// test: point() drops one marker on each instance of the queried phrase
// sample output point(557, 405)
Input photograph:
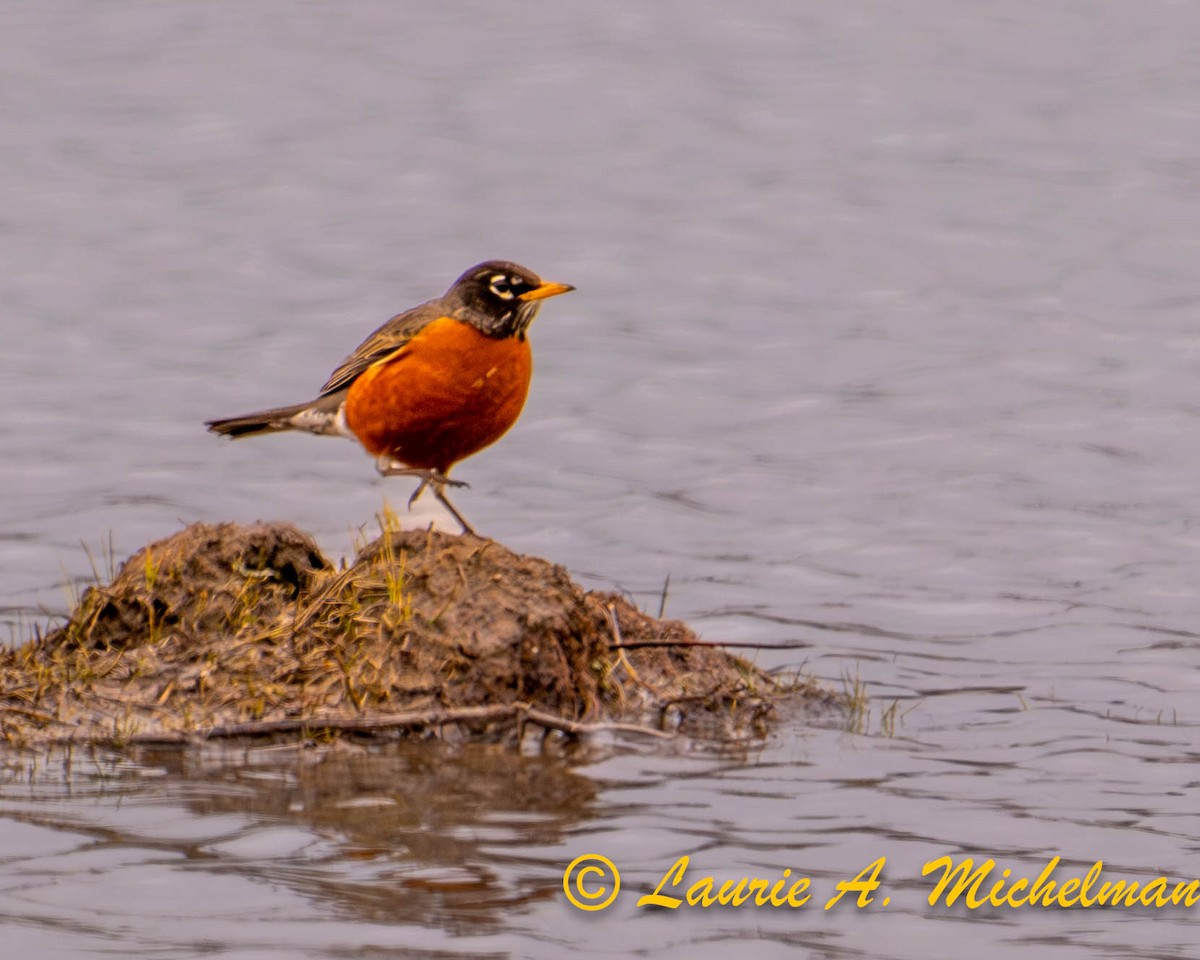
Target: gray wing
point(386, 340)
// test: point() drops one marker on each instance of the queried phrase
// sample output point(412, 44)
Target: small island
point(227, 631)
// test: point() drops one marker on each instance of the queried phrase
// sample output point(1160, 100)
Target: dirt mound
point(227, 630)
point(205, 579)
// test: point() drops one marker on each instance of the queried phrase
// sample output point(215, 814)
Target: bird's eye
point(502, 286)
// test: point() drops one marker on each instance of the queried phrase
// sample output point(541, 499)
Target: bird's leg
point(434, 479)
point(439, 491)
point(388, 467)
point(417, 493)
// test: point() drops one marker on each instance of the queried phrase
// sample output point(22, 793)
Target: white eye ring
point(501, 286)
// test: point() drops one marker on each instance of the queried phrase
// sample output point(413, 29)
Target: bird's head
point(500, 298)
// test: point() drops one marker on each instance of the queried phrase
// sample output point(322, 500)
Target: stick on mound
point(233, 631)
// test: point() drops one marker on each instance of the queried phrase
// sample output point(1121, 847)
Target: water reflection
point(421, 833)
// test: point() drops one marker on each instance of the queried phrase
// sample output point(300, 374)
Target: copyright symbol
point(595, 869)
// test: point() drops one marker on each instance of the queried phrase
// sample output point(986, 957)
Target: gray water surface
point(884, 341)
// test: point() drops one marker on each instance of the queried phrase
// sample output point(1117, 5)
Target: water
point(884, 342)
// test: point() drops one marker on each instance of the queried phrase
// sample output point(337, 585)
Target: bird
point(431, 386)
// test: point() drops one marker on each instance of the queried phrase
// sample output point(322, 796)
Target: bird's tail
point(322, 415)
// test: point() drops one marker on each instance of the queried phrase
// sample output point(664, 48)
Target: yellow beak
point(546, 290)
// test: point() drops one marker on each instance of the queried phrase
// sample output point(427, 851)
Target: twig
point(32, 714)
point(576, 727)
point(396, 721)
point(645, 644)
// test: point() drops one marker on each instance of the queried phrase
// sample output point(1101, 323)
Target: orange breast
point(447, 393)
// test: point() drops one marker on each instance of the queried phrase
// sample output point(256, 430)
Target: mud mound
point(225, 630)
point(203, 580)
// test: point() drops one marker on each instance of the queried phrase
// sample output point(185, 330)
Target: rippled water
point(885, 341)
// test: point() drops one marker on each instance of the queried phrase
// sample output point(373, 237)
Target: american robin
point(431, 386)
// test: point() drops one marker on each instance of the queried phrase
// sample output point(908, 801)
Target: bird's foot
point(434, 479)
point(388, 467)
